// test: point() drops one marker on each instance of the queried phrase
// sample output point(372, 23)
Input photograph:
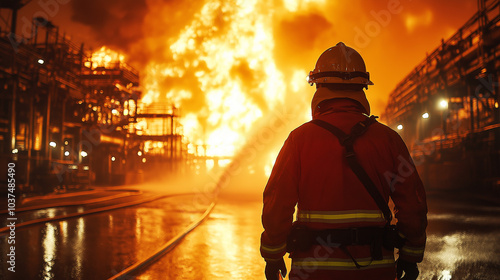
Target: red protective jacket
point(312, 173)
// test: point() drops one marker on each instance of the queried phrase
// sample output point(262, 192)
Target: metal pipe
point(471, 107)
point(30, 140)
point(13, 23)
point(47, 121)
point(13, 109)
point(63, 112)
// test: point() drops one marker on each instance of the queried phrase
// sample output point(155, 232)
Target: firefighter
point(341, 231)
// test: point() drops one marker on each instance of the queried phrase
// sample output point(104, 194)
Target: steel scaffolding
point(447, 108)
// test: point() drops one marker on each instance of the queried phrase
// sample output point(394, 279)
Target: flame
point(105, 57)
point(212, 56)
point(296, 5)
point(229, 65)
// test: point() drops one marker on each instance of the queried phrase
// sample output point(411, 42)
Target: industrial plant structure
point(67, 119)
point(447, 108)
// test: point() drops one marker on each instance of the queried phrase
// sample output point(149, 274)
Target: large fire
point(223, 60)
point(105, 57)
point(227, 65)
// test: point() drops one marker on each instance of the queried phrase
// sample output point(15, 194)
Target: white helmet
point(340, 65)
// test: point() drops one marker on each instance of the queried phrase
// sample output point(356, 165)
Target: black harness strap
point(347, 141)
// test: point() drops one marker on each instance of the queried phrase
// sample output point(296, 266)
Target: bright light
point(445, 275)
point(144, 160)
point(443, 104)
point(66, 153)
point(139, 153)
point(66, 143)
point(86, 167)
point(41, 61)
point(425, 115)
point(83, 154)
point(53, 144)
point(114, 111)
point(113, 158)
point(15, 151)
point(400, 127)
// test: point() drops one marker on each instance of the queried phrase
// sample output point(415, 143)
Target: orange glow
point(414, 21)
point(228, 66)
point(105, 57)
point(234, 74)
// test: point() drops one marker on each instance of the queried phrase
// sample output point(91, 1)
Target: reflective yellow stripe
point(341, 216)
point(273, 249)
point(343, 264)
point(413, 250)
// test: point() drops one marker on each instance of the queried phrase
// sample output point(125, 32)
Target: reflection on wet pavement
point(463, 242)
point(225, 246)
point(462, 255)
point(99, 246)
point(463, 239)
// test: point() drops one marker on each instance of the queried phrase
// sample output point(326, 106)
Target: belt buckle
point(355, 236)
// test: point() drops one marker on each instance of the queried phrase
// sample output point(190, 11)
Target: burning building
point(69, 115)
point(216, 73)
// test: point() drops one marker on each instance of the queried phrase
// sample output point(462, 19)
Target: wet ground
point(463, 241)
point(225, 246)
point(463, 237)
point(100, 245)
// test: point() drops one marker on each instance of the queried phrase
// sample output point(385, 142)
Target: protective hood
point(324, 93)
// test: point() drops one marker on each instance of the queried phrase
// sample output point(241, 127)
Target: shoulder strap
point(347, 142)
